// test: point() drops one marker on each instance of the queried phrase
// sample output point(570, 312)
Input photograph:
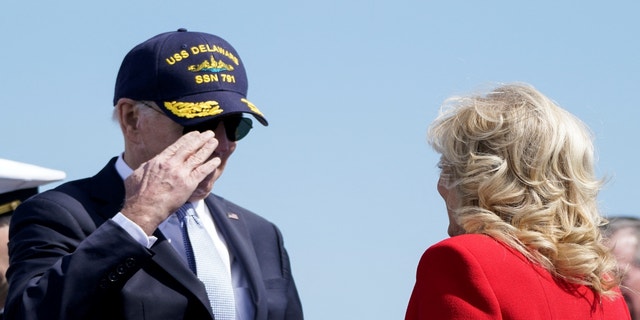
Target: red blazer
point(476, 277)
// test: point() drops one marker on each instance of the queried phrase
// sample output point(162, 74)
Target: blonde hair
point(523, 171)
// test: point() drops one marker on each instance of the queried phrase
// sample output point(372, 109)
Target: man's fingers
point(188, 144)
point(200, 172)
point(191, 154)
point(203, 153)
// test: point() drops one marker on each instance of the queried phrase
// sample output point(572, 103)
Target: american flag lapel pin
point(232, 215)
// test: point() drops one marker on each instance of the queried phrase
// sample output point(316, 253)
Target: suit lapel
point(233, 228)
point(107, 191)
point(168, 259)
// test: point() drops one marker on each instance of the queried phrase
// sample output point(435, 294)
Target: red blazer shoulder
point(477, 277)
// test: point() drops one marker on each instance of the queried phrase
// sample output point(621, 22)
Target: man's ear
point(128, 114)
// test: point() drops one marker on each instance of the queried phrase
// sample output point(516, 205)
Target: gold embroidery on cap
point(192, 110)
point(252, 106)
point(202, 48)
point(211, 65)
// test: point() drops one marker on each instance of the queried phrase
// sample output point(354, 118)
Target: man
point(623, 237)
point(18, 182)
point(127, 242)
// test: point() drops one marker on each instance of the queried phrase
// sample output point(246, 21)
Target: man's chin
point(203, 190)
point(199, 195)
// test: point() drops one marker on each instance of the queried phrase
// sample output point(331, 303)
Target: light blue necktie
point(204, 260)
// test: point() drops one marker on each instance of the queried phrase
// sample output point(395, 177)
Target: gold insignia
point(9, 207)
point(252, 106)
point(192, 110)
point(211, 66)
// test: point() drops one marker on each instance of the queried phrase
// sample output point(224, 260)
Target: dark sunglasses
point(236, 127)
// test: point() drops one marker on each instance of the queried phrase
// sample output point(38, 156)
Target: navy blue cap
point(192, 76)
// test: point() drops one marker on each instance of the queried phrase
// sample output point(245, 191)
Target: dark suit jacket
point(70, 261)
point(474, 276)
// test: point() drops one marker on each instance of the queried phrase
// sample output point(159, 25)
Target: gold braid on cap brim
point(8, 207)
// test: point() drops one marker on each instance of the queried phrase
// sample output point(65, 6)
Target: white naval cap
point(18, 181)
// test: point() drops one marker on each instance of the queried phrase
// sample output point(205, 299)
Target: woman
point(518, 181)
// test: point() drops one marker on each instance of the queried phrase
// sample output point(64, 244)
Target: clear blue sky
point(349, 88)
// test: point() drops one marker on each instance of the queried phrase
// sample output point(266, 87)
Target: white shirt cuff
point(134, 230)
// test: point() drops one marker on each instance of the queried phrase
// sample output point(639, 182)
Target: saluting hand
point(161, 185)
